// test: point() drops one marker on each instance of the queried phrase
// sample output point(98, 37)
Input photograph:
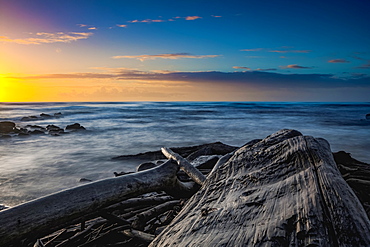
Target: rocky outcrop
point(191, 153)
point(285, 190)
point(6, 127)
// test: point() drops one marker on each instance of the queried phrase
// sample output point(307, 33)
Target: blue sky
point(185, 50)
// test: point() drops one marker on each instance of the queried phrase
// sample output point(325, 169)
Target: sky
point(195, 50)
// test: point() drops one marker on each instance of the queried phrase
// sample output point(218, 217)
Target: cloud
point(291, 51)
point(252, 78)
point(146, 21)
point(241, 67)
point(338, 61)
point(216, 16)
point(119, 25)
point(166, 56)
point(295, 66)
point(364, 66)
point(92, 28)
point(255, 49)
point(191, 18)
point(247, 68)
point(47, 38)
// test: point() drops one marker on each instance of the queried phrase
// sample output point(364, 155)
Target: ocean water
point(36, 165)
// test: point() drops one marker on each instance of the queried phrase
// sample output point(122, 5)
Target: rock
point(52, 127)
point(216, 148)
point(75, 126)
point(205, 162)
point(57, 114)
point(6, 126)
point(45, 115)
point(145, 166)
point(5, 136)
point(285, 190)
point(29, 118)
point(36, 132)
point(368, 116)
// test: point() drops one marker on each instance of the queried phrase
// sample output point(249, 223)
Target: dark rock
point(57, 114)
point(5, 136)
point(52, 127)
point(45, 115)
point(75, 126)
point(216, 148)
point(29, 118)
point(36, 132)
point(6, 127)
point(35, 127)
point(209, 163)
point(368, 116)
point(145, 166)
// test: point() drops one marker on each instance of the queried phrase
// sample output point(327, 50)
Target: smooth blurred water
point(36, 165)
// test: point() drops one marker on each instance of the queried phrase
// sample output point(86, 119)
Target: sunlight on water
point(32, 166)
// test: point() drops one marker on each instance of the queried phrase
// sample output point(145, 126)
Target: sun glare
point(11, 90)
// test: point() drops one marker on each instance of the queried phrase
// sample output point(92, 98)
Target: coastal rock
point(216, 148)
point(29, 118)
point(75, 126)
point(37, 132)
point(285, 190)
point(45, 115)
point(368, 116)
point(6, 126)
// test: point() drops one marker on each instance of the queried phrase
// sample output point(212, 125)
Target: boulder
point(44, 115)
point(368, 116)
point(6, 126)
point(285, 190)
point(145, 166)
point(75, 126)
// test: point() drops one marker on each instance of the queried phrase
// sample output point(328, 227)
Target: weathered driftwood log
point(282, 191)
point(188, 168)
point(44, 215)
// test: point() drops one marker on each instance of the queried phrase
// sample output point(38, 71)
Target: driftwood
point(47, 214)
point(193, 172)
point(282, 191)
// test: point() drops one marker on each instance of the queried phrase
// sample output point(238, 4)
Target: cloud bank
point(166, 56)
point(47, 38)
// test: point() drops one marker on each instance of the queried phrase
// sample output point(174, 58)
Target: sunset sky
point(148, 50)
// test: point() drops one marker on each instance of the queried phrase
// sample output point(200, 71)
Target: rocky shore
point(312, 190)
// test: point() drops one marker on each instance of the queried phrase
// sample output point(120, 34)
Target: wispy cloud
point(247, 68)
point(364, 66)
point(254, 49)
point(338, 61)
point(166, 56)
point(216, 16)
point(291, 51)
point(241, 67)
point(295, 66)
point(192, 18)
point(251, 78)
point(146, 21)
point(121, 25)
point(47, 38)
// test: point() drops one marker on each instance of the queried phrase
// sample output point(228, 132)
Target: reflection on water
point(33, 166)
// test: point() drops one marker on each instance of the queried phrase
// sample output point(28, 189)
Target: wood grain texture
point(46, 214)
point(282, 191)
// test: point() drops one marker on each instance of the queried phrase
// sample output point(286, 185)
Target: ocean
point(35, 165)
